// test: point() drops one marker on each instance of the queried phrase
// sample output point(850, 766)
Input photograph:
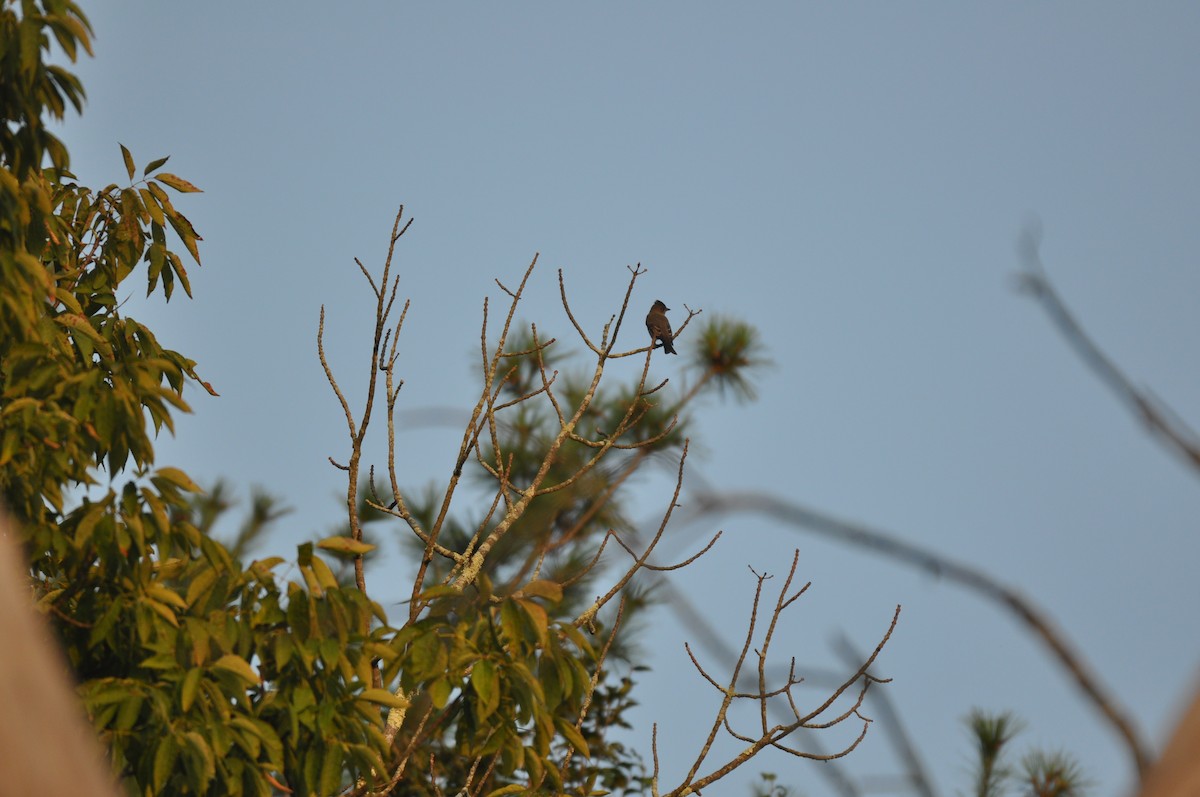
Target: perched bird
point(659, 327)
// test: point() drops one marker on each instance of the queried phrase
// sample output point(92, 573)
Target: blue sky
point(850, 177)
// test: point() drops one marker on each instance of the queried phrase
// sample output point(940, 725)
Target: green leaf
point(128, 161)
point(239, 667)
point(155, 164)
point(178, 183)
point(342, 544)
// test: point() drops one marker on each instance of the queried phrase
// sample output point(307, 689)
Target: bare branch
point(329, 376)
point(1157, 416)
point(774, 735)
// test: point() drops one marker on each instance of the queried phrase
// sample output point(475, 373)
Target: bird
point(659, 327)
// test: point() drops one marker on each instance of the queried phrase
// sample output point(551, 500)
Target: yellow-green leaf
point(573, 736)
point(161, 610)
point(128, 160)
point(200, 585)
point(83, 532)
point(178, 478)
point(537, 614)
point(157, 163)
point(439, 591)
point(166, 595)
point(384, 698)
point(152, 207)
point(178, 183)
point(239, 667)
point(164, 761)
point(77, 323)
point(331, 770)
point(343, 544)
point(439, 692)
point(191, 682)
point(485, 682)
point(200, 750)
point(262, 567)
point(542, 588)
point(324, 575)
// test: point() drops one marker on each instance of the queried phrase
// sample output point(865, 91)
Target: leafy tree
point(202, 676)
point(207, 675)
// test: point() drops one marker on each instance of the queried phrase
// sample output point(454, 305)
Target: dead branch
point(384, 299)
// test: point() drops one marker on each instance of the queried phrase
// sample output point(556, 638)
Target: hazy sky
point(850, 177)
